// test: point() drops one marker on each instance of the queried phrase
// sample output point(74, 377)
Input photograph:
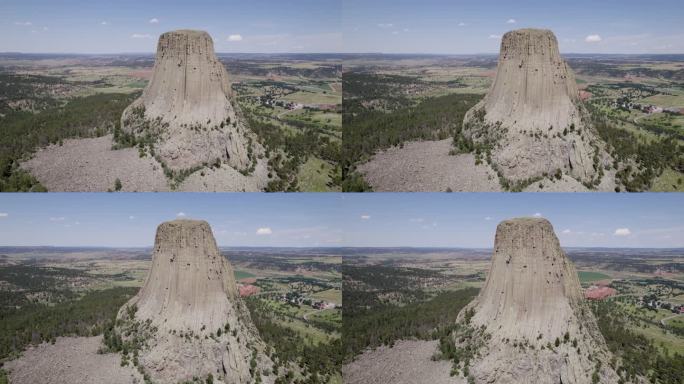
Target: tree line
point(35, 323)
point(435, 118)
point(23, 132)
point(370, 321)
point(639, 356)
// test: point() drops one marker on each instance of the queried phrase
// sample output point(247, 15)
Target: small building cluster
point(269, 102)
point(296, 299)
point(654, 303)
point(626, 104)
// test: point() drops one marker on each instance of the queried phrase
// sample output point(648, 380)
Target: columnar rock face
point(532, 288)
point(531, 323)
point(532, 116)
point(190, 285)
point(188, 313)
point(186, 107)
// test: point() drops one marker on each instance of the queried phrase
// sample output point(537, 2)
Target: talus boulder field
point(530, 323)
point(186, 112)
point(188, 321)
point(532, 123)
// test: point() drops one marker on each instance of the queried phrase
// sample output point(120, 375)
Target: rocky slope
point(185, 112)
point(91, 165)
point(530, 324)
point(70, 360)
point(187, 321)
point(532, 119)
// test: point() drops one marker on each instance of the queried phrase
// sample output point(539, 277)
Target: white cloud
point(23, 23)
point(4, 214)
point(131, 217)
point(365, 217)
point(488, 218)
point(622, 232)
point(417, 220)
point(104, 23)
point(385, 25)
point(405, 29)
point(645, 42)
point(154, 20)
point(567, 231)
point(180, 214)
point(537, 214)
point(395, 32)
point(57, 218)
point(141, 36)
point(494, 36)
point(323, 42)
point(462, 24)
point(264, 231)
point(511, 21)
point(593, 39)
point(236, 37)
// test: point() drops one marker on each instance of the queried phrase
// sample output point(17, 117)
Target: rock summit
point(187, 321)
point(530, 323)
point(186, 112)
point(532, 123)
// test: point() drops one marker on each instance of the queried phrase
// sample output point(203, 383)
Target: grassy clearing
point(326, 120)
point(336, 379)
point(660, 337)
point(669, 181)
point(329, 118)
point(314, 98)
point(328, 315)
point(314, 175)
point(648, 325)
point(243, 274)
point(331, 295)
point(676, 322)
point(587, 277)
point(312, 335)
point(665, 101)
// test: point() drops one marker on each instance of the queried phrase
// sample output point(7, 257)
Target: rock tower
point(530, 324)
point(532, 118)
point(187, 321)
point(186, 110)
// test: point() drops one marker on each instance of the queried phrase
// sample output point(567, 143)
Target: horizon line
point(153, 53)
point(322, 246)
point(334, 53)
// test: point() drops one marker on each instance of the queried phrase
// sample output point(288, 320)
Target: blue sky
point(99, 26)
point(475, 26)
point(330, 219)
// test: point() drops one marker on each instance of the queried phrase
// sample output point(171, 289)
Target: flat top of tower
point(188, 32)
point(529, 33)
point(526, 221)
point(184, 223)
